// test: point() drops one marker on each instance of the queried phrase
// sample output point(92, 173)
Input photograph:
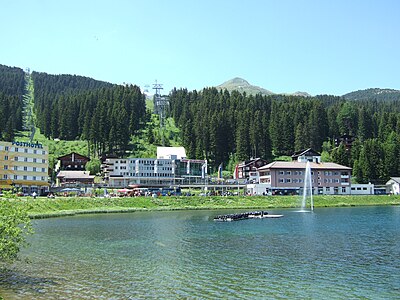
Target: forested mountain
point(374, 94)
point(221, 126)
point(74, 107)
point(12, 88)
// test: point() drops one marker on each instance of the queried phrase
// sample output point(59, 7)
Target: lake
point(332, 253)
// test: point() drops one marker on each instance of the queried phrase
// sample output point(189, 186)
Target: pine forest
point(217, 125)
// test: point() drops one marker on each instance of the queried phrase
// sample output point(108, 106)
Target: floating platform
point(245, 216)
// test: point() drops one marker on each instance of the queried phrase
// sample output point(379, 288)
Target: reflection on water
point(335, 253)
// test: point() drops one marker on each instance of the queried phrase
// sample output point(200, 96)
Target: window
point(343, 190)
point(281, 180)
point(15, 168)
point(16, 149)
point(26, 150)
point(43, 170)
point(34, 160)
point(25, 168)
point(281, 172)
point(5, 167)
point(25, 159)
point(288, 172)
point(16, 158)
point(5, 176)
point(43, 152)
point(25, 177)
point(15, 176)
point(35, 151)
point(34, 178)
point(42, 178)
point(43, 161)
point(34, 169)
point(288, 180)
point(6, 148)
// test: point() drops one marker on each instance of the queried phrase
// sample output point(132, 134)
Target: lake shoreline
point(41, 207)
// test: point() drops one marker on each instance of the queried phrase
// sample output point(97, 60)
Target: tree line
point(221, 126)
point(73, 107)
point(12, 89)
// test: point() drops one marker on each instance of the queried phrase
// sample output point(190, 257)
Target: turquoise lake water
point(332, 253)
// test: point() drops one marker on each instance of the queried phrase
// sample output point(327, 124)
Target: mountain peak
point(241, 85)
point(237, 81)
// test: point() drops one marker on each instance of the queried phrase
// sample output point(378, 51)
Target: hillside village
point(195, 162)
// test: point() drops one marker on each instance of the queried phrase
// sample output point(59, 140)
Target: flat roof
point(166, 152)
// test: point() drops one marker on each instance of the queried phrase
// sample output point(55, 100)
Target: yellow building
point(24, 166)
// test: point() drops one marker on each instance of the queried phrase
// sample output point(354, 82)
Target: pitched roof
point(302, 165)
point(251, 161)
point(303, 152)
point(75, 175)
point(395, 179)
point(73, 154)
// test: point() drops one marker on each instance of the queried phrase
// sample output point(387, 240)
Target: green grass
point(60, 206)
point(140, 145)
point(57, 148)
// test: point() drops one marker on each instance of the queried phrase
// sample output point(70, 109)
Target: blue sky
point(320, 47)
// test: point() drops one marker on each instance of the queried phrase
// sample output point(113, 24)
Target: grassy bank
point(43, 207)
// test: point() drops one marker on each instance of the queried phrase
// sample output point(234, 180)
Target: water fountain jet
point(308, 189)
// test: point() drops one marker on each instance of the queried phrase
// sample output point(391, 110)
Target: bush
point(15, 225)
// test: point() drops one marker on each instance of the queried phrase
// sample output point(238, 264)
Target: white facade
point(260, 189)
point(171, 152)
point(393, 186)
point(121, 172)
point(125, 171)
point(362, 189)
